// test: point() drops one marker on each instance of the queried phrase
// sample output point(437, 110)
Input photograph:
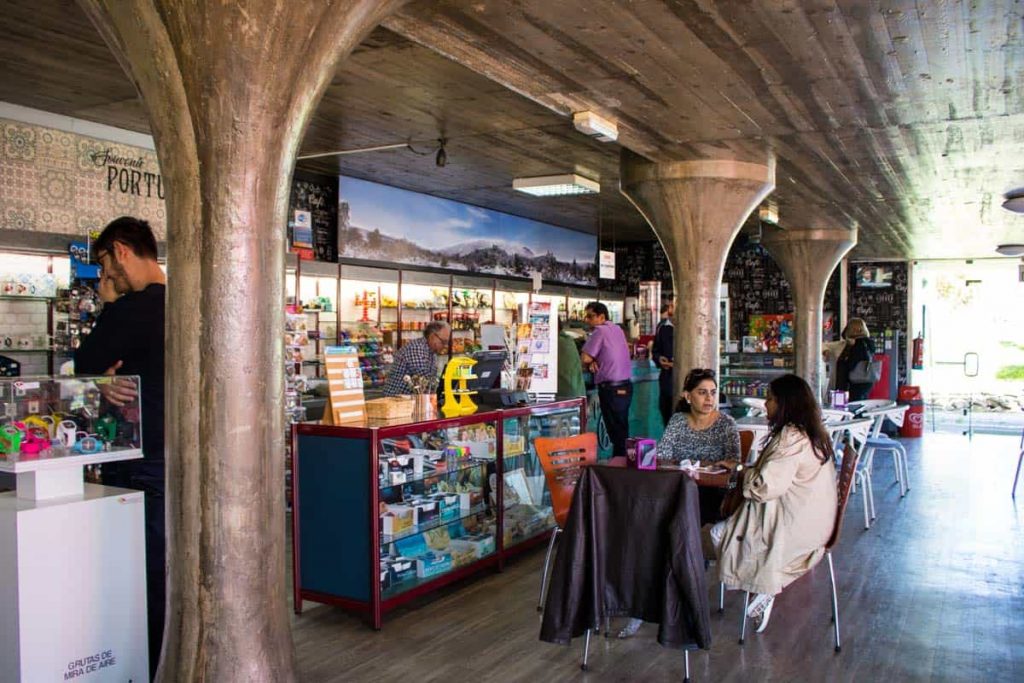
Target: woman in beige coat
point(789, 502)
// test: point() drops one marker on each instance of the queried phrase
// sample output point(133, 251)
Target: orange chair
point(563, 460)
point(845, 484)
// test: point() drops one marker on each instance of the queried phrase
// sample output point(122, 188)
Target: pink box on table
point(641, 453)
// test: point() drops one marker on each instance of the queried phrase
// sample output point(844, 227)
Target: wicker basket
point(390, 407)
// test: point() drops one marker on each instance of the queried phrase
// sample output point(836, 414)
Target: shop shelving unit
point(748, 374)
point(343, 476)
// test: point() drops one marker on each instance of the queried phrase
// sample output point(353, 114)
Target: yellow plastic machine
point(457, 399)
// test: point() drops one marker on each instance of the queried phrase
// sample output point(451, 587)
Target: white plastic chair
point(881, 442)
point(859, 431)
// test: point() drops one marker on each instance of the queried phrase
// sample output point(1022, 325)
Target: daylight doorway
point(972, 317)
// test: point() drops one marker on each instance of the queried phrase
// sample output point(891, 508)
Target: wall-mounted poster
point(774, 333)
point(383, 223)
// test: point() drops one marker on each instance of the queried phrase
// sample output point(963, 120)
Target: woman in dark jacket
point(859, 347)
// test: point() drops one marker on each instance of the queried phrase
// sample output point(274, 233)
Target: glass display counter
point(748, 374)
point(386, 511)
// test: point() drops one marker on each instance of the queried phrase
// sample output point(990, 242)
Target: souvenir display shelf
point(388, 511)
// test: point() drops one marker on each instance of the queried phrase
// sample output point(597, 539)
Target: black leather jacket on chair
point(631, 547)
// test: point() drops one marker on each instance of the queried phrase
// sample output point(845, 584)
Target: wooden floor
point(934, 591)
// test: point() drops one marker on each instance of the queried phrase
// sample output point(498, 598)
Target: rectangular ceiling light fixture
point(590, 123)
point(556, 185)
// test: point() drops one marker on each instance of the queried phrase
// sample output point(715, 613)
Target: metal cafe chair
point(562, 459)
point(859, 432)
point(847, 474)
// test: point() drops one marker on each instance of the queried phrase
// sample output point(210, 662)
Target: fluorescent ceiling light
point(769, 212)
point(556, 185)
point(1011, 249)
point(590, 123)
point(1014, 201)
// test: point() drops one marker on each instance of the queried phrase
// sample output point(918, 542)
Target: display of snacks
point(55, 417)
point(374, 355)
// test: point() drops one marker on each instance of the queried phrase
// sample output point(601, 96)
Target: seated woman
point(698, 431)
point(789, 502)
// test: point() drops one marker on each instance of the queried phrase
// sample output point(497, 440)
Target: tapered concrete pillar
point(808, 256)
point(229, 88)
point(696, 208)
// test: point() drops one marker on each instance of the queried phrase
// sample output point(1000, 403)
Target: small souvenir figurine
point(106, 428)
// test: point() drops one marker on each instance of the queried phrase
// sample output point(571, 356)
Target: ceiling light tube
point(556, 185)
point(590, 123)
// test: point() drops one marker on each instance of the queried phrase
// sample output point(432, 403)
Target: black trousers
point(615, 401)
point(148, 477)
point(665, 396)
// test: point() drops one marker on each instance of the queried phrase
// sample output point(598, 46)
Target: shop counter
point(385, 511)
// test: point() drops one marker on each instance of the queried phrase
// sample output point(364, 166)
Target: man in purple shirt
point(606, 354)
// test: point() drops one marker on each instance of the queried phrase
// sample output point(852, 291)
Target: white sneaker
point(765, 615)
point(630, 629)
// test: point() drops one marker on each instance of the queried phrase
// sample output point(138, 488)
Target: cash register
point(487, 382)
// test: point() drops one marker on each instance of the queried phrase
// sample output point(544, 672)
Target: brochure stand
point(72, 573)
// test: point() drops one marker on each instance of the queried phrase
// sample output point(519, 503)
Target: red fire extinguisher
point(918, 354)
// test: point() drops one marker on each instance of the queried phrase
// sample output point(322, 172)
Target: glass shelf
point(437, 523)
point(14, 297)
point(474, 462)
point(402, 587)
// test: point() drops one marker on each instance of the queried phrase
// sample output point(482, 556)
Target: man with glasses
point(128, 339)
point(418, 359)
point(606, 355)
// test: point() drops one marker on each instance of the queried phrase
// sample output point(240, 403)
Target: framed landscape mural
point(382, 223)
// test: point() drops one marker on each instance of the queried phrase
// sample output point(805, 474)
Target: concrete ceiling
point(904, 117)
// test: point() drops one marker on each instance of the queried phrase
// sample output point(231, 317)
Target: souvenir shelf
point(386, 512)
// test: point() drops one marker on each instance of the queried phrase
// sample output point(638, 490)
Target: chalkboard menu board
point(317, 195)
point(879, 297)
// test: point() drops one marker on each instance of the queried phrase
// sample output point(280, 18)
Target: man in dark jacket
point(128, 339)
point(661, 356)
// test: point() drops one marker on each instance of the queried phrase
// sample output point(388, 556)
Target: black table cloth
point(630, 547)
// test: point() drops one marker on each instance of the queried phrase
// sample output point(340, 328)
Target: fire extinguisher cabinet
point(913, 422)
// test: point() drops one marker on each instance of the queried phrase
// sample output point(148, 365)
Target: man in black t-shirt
point(128, 339)
point(661, 355)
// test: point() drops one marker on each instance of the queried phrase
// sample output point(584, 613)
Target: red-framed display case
point(388, 511)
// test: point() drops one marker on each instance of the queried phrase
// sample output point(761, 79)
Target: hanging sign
point(607, 265)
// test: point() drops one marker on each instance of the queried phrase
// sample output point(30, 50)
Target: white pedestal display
point(72, 575)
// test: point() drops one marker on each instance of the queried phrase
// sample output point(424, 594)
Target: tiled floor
point(934, 591)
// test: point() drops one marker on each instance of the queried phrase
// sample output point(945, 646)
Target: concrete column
point(808, 257)
point(696, 208)
point(229, 88)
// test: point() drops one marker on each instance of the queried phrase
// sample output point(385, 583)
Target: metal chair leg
point(871, 499)
point(743, 623)
point(607, 627)
point(586, 651)
point(686, 666)
point(867, 505)
point(721, 596)
point(547, 564)
point(1020, 458)
point(835, 599)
